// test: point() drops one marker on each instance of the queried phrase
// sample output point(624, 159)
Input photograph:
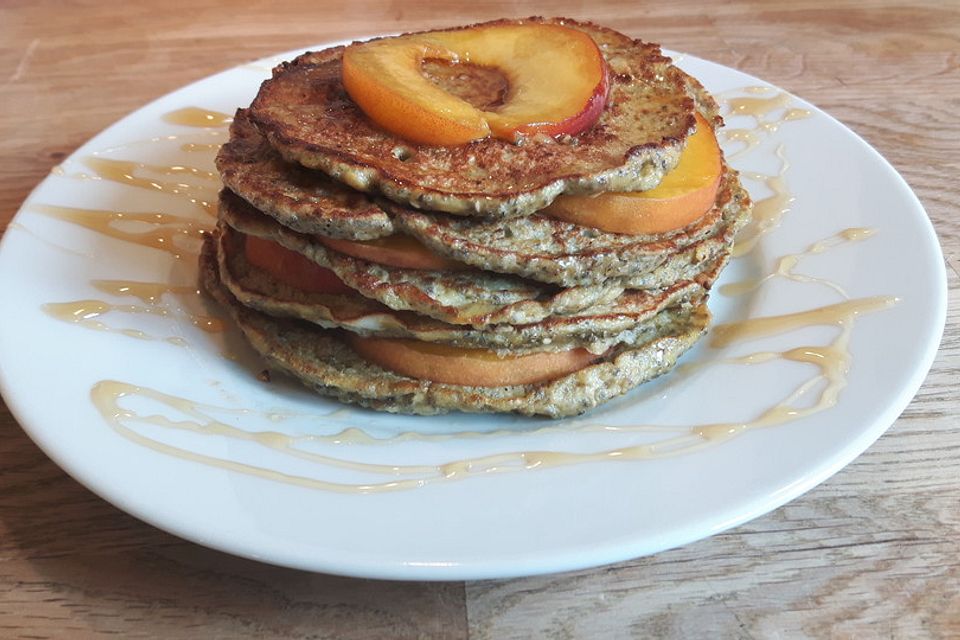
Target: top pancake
point(307, 116)
point(304, 200)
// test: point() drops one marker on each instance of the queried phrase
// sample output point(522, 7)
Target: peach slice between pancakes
point(683, 196)
point(468, 367)
point(292, 268)
point(397, 250)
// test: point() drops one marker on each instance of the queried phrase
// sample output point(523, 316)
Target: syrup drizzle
point(164, 231)
point(198, 117)
point(786, 264)
point(126, 172)
point(746, 137)
point(89, 313)
point(192, 147)
point(147, 292)
point(839, 313)
point(195, 141)
point(768, 212)
point(761, 104)
point(760, 110)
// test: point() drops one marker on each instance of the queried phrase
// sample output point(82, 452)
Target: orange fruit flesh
point(292, 268)
point(469, 367)
point(684, 195)
point(397, 250)
point(377, 76)
point(557, 77)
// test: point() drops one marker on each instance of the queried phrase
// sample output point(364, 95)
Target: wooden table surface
point(873, 552)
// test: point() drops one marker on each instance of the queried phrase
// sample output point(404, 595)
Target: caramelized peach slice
point(557, 82)
point(292, 268)
point(684, 194)
point(395, 251)
point(471, 367)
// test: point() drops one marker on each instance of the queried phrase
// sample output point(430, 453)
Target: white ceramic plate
point(518, 521)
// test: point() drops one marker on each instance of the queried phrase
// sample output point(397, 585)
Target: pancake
point(632, 318)
point(559, 252)
point(307, 116)
point(304, 200)
point(470, 297)
point(321, 360)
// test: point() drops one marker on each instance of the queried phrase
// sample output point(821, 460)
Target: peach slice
point(472, 367)
point(395, 251)
point(292, 268)
point(684, 195)
point(557, 82)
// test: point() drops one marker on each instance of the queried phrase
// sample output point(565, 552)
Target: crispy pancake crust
point(559, 252)
point(633, 318)
point(476, 298)
point(323, 362)
point(307, 115)
point(304, 200)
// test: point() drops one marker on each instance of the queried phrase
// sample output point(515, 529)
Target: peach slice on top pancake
point(556, 77)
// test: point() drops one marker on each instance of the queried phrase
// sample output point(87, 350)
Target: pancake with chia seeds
point(306, 114)
point(323, 360)
point(304, 200)
point(630, 319)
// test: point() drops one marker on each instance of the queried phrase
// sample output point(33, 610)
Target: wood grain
point(873, 552)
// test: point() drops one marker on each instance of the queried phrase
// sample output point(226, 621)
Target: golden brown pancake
point(308, 117)
point(304, 200)
point(323, 361)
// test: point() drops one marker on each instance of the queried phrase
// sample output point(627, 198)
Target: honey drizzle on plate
point(759, 104)
point(191, 147)
point(198, 117)
point(768, 212)
point(747, 137)
point(126, 172)
point(191, 142)
point(758, 108)
point(786, 264)
point(832, 360)
point(88, 313)
point(163, 232)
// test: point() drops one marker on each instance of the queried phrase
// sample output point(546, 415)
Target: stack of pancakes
point(306, 169)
